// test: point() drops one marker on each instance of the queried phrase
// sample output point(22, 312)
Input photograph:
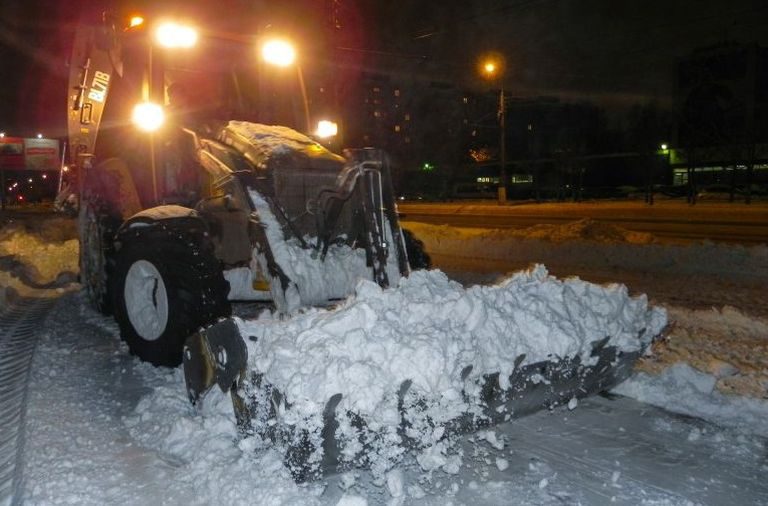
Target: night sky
point(613, 52)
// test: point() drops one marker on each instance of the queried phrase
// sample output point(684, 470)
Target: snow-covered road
point(19, 324)
point(103, 428)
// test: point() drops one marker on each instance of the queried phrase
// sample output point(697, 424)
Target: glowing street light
point(39, 136)
point(278, 52)
point(174, 35)
point(492, 68)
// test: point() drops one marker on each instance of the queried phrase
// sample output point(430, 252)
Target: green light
point(427, 167)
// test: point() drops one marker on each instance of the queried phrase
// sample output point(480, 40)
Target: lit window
point(397, 93)
point(465, 100)
point(377, 114)
point(407, 117)
point(376, 89)
point(397, 128)
point(407, 140)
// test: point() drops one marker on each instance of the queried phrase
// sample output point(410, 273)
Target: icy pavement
point(608, 450)
point(19, 324)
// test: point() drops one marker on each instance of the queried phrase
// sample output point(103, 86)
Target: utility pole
point(502, 149)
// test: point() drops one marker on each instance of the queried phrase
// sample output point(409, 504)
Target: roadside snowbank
point(589, 244)
point(36, 254)
point(724, 343)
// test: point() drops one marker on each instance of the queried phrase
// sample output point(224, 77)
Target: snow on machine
point(180, 217)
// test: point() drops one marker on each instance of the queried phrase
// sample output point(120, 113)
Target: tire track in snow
point(18, 325)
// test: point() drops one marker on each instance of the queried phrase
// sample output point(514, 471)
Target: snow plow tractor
point(178, 219)
point(187, 204)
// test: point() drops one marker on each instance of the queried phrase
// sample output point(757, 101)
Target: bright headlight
point(148, 116)
point(326, 129)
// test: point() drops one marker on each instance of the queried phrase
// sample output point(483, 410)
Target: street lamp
point(282, 53)
point(492, 68)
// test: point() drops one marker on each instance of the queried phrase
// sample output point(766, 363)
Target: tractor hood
point(277, 148)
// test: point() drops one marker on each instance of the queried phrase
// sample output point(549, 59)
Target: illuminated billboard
point(41, 154)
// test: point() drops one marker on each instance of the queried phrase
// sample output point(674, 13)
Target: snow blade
point(215, 355)
point(531, 387)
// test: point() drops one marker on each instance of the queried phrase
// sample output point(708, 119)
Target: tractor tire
point(167, 284)
point(97, 231)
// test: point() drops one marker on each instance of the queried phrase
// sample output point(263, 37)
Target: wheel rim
point(146, 300)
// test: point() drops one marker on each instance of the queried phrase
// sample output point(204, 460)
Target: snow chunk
point(352, 500)
point(395, 483)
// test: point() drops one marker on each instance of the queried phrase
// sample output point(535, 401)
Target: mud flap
point(217, 355)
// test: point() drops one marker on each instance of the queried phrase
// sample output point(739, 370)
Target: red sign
point(11, 153)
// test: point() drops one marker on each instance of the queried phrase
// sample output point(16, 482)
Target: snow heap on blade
point(400, 358)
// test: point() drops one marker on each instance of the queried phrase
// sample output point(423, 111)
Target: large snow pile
point(428, 331)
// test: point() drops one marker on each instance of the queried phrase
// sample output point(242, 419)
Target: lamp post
point(281, 53)
point(664, 149)
point(491, 69)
